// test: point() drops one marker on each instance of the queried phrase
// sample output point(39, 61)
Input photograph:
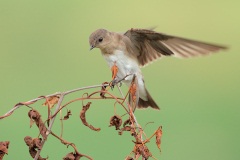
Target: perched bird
point(139, 47)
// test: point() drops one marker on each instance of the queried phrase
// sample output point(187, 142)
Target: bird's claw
point(113, 83)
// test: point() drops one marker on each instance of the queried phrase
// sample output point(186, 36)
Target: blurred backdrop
point(44, 49)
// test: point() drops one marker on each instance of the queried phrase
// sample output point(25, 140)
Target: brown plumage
point(139, 47)
point(152, 45)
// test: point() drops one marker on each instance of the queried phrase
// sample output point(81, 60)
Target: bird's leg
point(113, 83)
point(117, 80)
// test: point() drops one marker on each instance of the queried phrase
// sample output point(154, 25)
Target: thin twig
point(61, 120)
point(72, 145)
point(89, 97)
point(135, 119)
point(18, 105)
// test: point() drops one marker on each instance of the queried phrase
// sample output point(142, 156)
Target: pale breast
point(125, 64)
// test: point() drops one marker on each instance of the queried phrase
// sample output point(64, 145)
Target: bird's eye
point(100, 39)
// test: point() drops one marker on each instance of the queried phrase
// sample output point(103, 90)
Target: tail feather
point(150, 102)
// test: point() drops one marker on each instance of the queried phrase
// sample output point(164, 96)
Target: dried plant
point(130, 125)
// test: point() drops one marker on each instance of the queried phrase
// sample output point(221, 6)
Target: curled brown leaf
point(34, 144)
point(28, 141)
point(116, 121)
point(66, 117)
point(158, 137)
point(35, 116)
point(83, 117)
point(72, 156)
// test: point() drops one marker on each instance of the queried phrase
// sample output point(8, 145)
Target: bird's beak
point(92, 47)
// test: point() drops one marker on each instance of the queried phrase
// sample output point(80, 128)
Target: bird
point(136, 48)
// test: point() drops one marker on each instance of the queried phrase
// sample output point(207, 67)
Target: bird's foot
point(117, 80)
point(113, 83)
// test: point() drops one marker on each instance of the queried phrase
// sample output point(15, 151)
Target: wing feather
point(150, 45)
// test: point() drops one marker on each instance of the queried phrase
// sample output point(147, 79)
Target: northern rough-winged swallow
point(139, 47)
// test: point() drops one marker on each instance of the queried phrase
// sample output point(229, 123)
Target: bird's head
point(99, 39)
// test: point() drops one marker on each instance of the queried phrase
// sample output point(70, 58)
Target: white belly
point(127, 66)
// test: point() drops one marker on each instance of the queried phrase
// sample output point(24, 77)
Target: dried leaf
point(141, 149)
point(132, 91)
point(35, 116)
point(69, 156)
point(4, 148)
point(37, 143)
point(51, 101)
point(114, 70)
point(31, 122)
point(127, 122)
point(158, 137)
point(126, 128)
point(72, 156)
point(34, 145)
point(129, 158)
point(83, 117)
point(116, 121)
point(67, 115)
point(146, 153)
point(28, 141)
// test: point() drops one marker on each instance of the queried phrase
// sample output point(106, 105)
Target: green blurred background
point(44, 49)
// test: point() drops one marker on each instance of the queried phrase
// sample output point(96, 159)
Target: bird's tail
point(149, 103)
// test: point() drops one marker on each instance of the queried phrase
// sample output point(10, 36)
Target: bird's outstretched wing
point(151, 45)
